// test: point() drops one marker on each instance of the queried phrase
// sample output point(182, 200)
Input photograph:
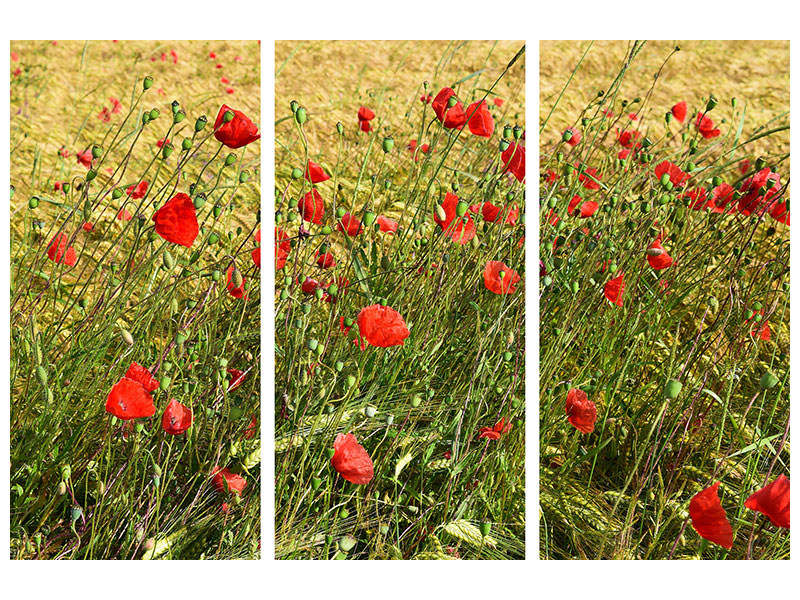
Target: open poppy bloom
point(382, 326)
point(85, 158)
point(349, 225)
point(773, 501)
point(706, 127)
point(365, 115)
point(499, 278)
point(326, 260)
point(460, 229)
point(386, 224)
point(223, 478)
point(513, 159)
point(237, 378)
point(627, 139)
point(283, 246)
point(657, 256)
point(451, 116)
point(614, 289)
point(59, 252)
point(177, 418)
point(130, 397)
point(575, 136)
point(351, 461)
point(760, 329)
point(754, 199)
point(581, 412)
point(252, 429)
point(176, 221)
point(779, 212)
point(137, 191)
point(676, 176)
point(480, 122)
point(491, 212)
point(494, 433)
point(709, 519)
point(236, 292)
point(590, 178)
point(315, 173)
point(237, 132)
point(311, 207)
point(679, 111)
point(587, 209)
point(124, 215)
point(309, 286)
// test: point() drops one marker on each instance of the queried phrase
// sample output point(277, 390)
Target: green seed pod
point(711, 104)
point(91, 174)
point(166, 150)
point(339, 128)
point(33, 202)
point(351, 381)
point(217, 210)
point(186, 144)
point(574, 287)
point(452, 101)
point(507, 131)
point(369, 218)
point(164, 382)
point(300, 115)
point(673, 389)
point(388, 144)
point(154, 112)
point(461, 208)
point(230, 159)
point(768, 381)
point(312, 344)
point(339, 365)
point(503, 145)
point(327, 230)
point(416, 401)
point(147, 83)
point(507, 356)
point(340, 212)
point(213, 238)
point(485, 529)
point(200, 123)
point(244, 176)
point(178, 116)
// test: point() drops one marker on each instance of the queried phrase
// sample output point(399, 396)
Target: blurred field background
point(756, 72)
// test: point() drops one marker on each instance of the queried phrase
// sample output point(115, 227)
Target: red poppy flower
point(382, 326)
point(451, 117)
point(773, 501)
point(365, 126)
point(104, 115)
point(628, 139)
point(657, 256)
point(341, 282)
point(426, 99)
point(744, 166)
point(223, 477)
point(237, 132)
point(679, 111)
point(706, 127)
point(142, 376)
point(130, 397)
point(252, 429)
point(754, 199)
point(779, 212)
point(117, 105)
point(614, 289)
point(709, 519)
point(460, 229)
point(58, 186)
point(15, 57)
point(177, 418)
point(491, 212)
point(160, 143)
point(480, 122)
point(212, 55)
point(59, 252)
point(311, 207)
point(498, 102)
point(174, 56)
point(514, 160)
point(494, 433)
point(176, 221)
point(412, 145)
point(349, 225)
point(237, 378)
point(365, 114)
point(255, 253)
point(676, 176)
point(721, 198)
point(386, 224)
point(342, 327)
point(326, 260)
point(309, 286)
point(581, 412)
point(88, 226)
point(587, 209)
point(499, 278)
point(236, 292)
point(623, 154)
point(760, 328)
point(351, 461)
point(576, 136)
point(137, 192)
point(315, 174)
point(85, 158)
point(283, 246)
point(229, 90)
point(589, 177)
point(218, 66)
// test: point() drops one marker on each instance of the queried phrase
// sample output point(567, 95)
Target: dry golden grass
point(754, 72)
point(333, 78)
point(70, 82)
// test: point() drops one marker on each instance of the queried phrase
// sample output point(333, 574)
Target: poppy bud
point(339, 365)
point(243, 176)
point(91, 174)
point(236, 278)
point(388, 144)
point(668, 117)
point(178, 116)
point(711, 104)
point(416, 401)
point(461, 208)
point(440, 213)
point(503, 145)
point(768, 381)
point(230, 159)
point(333, 289)
point(672, 389)
point(370, 411)
point(351, 381)
point(169, 261)
point(507, 131)
point(154, 112)
point(665, 179)
point(166, 150)
point(339, 128)
point(200, 123)
point(293, 105)
point(217, 210)
point(33, 202)
point(126, 335)
point(145, 118)
point(147, 83)
point(485, 529)
point(315, 483)
point(340, 212)
point(300, 115)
